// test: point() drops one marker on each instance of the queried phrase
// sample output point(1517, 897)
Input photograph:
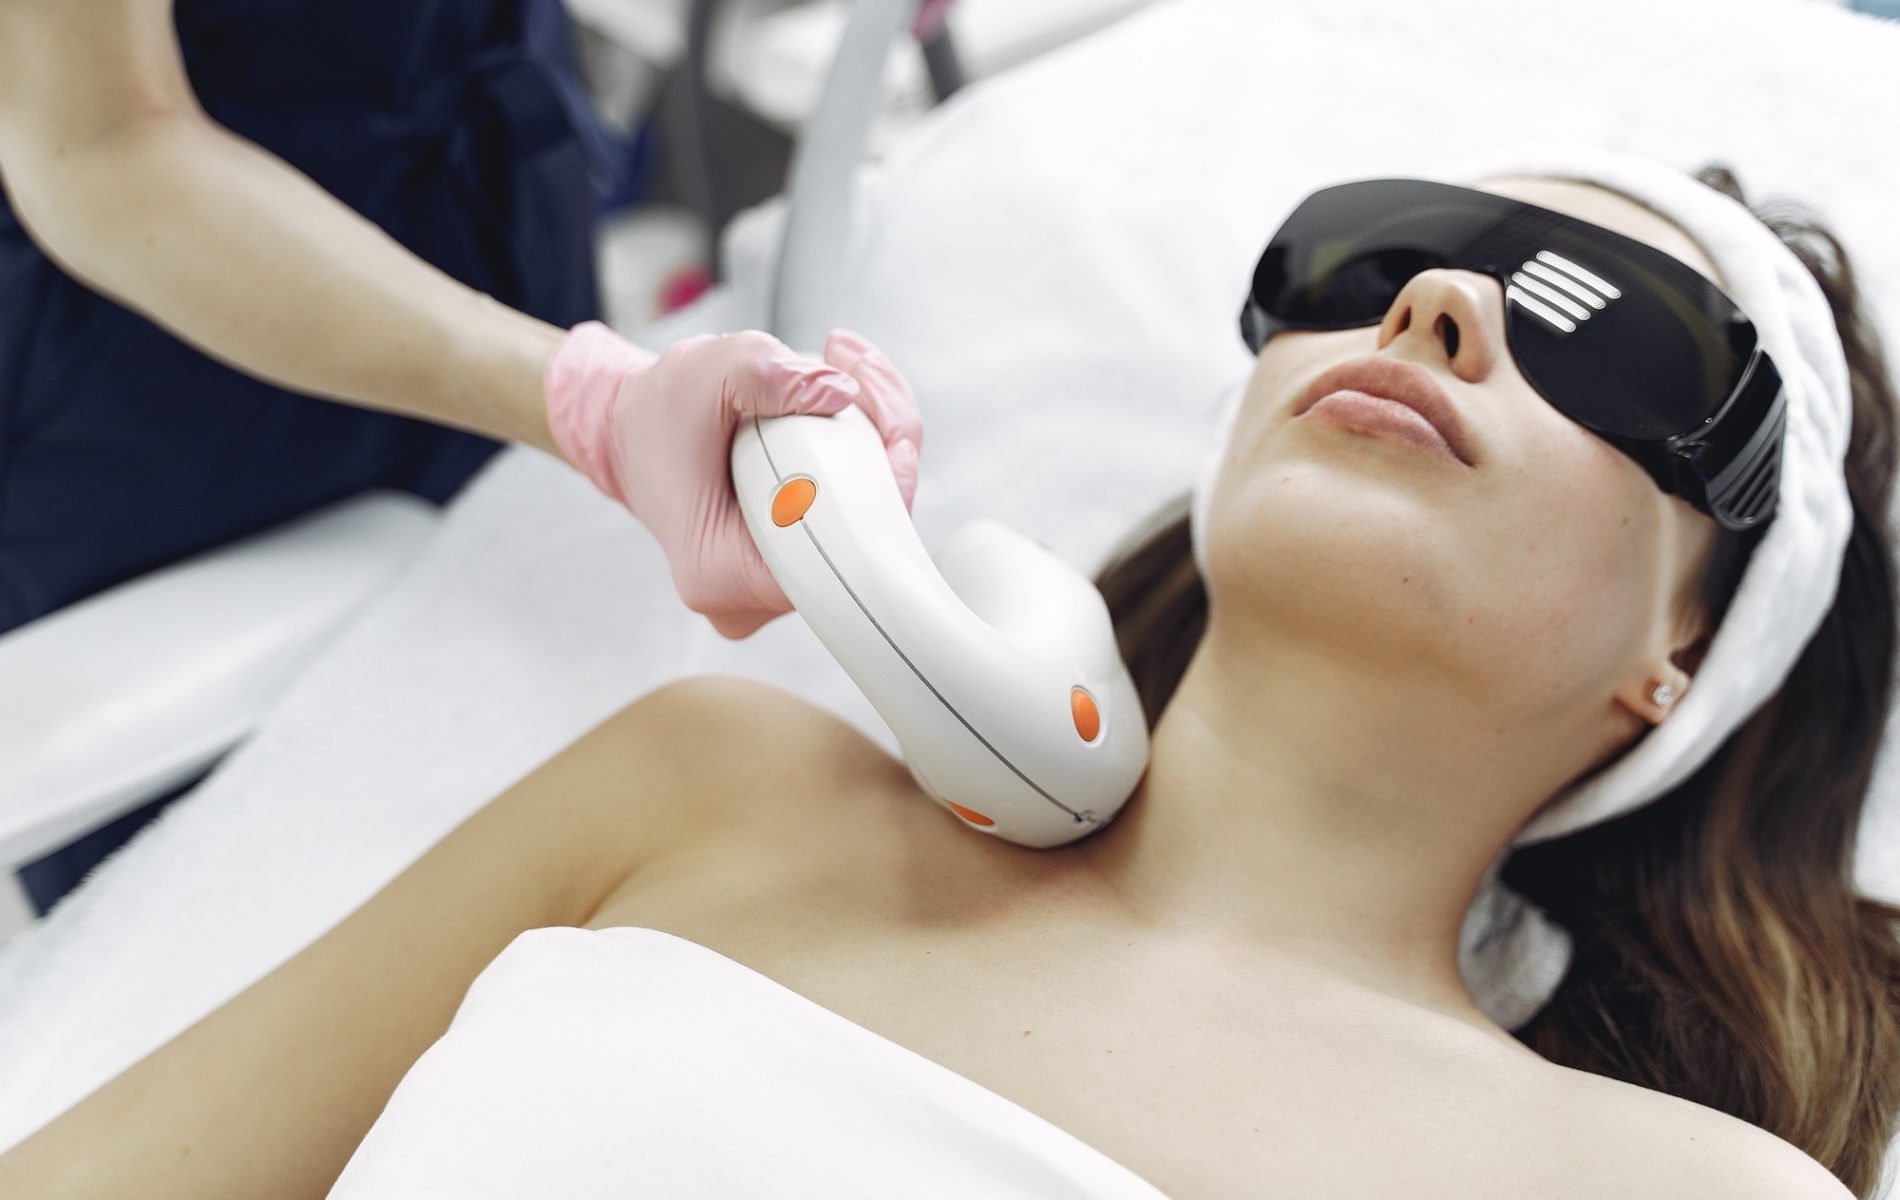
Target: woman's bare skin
point(1210, 1070)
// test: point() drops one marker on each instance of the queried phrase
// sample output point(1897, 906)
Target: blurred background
point(703, 102)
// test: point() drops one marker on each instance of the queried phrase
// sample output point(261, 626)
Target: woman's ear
point(1659, 690)
point(1653, 695)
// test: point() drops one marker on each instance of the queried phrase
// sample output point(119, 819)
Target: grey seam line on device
point(819, 546)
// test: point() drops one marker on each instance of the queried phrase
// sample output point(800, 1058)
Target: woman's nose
point(1453, 312)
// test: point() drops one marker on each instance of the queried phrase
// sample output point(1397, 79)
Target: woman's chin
point(1371, 559)
point(1343, 505)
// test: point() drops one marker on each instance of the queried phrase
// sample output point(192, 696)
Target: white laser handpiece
point(995, 665)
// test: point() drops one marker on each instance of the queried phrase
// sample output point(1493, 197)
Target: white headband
point(1512, 956)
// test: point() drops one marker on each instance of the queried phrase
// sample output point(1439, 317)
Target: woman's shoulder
point(1650, 1143)
point(733, 723)
point(749, 755)
point(766, 811)
point(709, 710)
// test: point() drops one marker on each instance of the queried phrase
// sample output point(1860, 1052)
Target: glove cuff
point(583, 378)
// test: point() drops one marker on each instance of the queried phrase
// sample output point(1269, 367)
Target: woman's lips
point(1377, 415)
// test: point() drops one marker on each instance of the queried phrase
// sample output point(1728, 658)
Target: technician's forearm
point(242, 256)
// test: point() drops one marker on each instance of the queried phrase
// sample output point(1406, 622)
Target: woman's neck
point(1302, 802)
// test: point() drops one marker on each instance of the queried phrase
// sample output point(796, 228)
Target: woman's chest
point(1204, 1080)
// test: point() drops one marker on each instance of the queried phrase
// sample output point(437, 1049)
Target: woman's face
point(1550, 573)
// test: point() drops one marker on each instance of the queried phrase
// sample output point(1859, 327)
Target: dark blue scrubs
point(458, 126)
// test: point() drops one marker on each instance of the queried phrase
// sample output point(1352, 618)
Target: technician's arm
point(121, 177)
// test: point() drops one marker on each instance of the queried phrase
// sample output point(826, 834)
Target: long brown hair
point(1721, 952)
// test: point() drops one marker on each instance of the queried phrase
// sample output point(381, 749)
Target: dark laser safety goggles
point(1632, 343)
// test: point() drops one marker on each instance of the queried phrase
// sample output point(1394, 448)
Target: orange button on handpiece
point(969, 814)
point(1088, 722)
point(791, 500)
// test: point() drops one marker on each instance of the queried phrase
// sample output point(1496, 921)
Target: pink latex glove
point(929, 18)
point(655, 433)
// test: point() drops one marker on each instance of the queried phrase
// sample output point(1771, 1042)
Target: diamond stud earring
point(1662, 694)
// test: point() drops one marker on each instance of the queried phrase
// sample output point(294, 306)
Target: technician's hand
point(655, 433)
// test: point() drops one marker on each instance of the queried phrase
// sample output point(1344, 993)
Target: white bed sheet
point(1055, 260)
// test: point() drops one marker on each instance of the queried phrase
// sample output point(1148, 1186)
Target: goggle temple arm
point(1736, 479)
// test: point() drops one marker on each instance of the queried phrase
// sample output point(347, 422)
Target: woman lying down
point(723, 946)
